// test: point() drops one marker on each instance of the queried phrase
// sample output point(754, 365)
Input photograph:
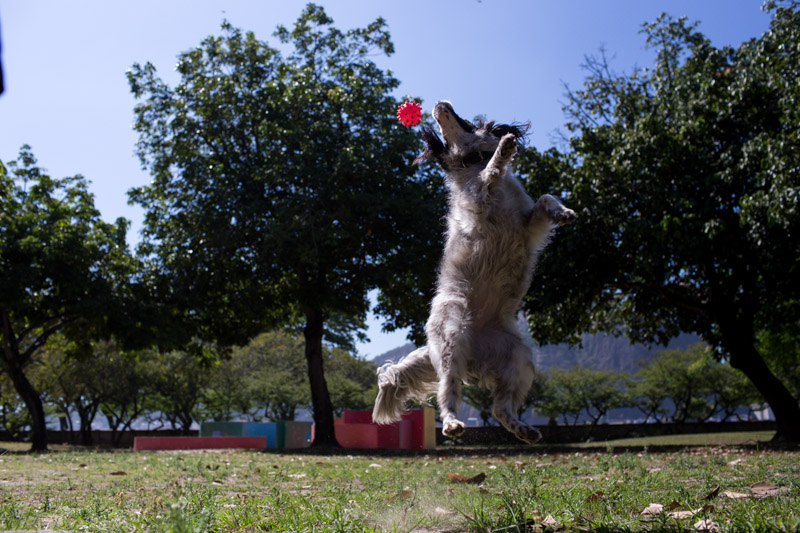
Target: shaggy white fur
point(495, 232)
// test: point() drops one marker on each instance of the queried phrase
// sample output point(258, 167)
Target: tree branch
point(670, 294)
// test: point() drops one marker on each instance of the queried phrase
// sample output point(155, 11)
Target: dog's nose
point(442, 106)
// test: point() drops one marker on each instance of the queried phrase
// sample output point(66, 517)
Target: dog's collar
point(474, 158)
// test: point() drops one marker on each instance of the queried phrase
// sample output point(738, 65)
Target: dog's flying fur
point(495, 232)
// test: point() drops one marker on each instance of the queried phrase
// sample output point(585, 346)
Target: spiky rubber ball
point(409, 113)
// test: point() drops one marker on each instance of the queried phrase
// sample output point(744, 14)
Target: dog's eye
point(500, 131)
point(473, 158)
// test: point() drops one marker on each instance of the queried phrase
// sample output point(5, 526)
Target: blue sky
point(67, 96)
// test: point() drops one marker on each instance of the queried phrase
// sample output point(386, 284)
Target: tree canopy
point(282, 188)
point(686, 176)
point(63, 269)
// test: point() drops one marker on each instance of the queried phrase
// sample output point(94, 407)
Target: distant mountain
point(599, 351)
point(603, 352)
point(394, 355)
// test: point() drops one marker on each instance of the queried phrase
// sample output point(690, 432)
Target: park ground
point(719, 482)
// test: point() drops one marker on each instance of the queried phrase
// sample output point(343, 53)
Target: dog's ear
point(434, 147)
point(520, 131)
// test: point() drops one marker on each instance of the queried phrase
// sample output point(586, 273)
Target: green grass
point(700, 439)
point(73, 489)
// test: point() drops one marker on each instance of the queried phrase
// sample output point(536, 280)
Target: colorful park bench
point(415, 431)
point(198, 443)
point(355, 429)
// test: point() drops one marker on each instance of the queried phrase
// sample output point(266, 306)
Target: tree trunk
point(324, 435)
point(739, 342)
point(35, 408)
point(33, 402)
point(86, 416)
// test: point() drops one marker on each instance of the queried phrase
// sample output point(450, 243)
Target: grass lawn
point(700, 439)
point(729, 488)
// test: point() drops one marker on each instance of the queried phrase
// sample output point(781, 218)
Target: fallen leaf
point(689, 514)
point(735, 495)
point(595, 496)
point(405, 494)
point(550, 524)
point(375, 465)
point(118, 473)
point(653, 508)
point(735, 462)
point(549, 521)
point(713, 494)
point(458, 478)
point(705, 525)
point(764, 489)
point(763, 486)
point(674, 505)
point(442, 512)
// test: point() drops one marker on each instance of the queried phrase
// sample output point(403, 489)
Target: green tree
point(353, 384)
point(125, 382)
point(680, 376)
point(282, 188)
point(481, 399)
point(274, 374)
point(178, 381)
point(582, 390)
point(67, 379)
point(14, 417)
point(556, 399)
point(729, 390)
point(780, 345)
point(696, 385)
point(62, 269)
point(227, 396)
point(686, 176)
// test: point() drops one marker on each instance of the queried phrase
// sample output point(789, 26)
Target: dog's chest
point(488, 244)
point(499, 217)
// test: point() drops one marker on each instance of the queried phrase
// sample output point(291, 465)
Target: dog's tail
point(412, 378)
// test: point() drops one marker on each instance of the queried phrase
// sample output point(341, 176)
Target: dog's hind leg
point(509, 392)
point(448, 398)
point(449, 345)
point(413, 377)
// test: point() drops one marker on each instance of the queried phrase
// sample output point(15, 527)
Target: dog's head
point(465, 144)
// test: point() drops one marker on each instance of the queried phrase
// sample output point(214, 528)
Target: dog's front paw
point(453, 428)
point(508, 146)
point(553, 209)
point(564, 216)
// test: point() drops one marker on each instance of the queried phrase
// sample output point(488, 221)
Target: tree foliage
point(686, 177)
point(63, 270)
point(690, 386)
point(282, 187)
point(268, 379)
point(582, 391)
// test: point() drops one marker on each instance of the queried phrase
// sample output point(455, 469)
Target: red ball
point(409, 113)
